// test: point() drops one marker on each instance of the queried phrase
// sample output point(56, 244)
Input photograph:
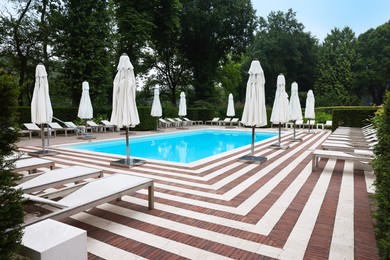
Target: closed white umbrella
point(156, 105)
point(124, 107)
point(310, 104)
point(294, 107)
point(85, 107)
point(255, 114)
point(182, 105)
point(230, 108)
point(41, 109)
point(280, 108)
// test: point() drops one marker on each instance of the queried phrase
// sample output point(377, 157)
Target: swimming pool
point(182, 147)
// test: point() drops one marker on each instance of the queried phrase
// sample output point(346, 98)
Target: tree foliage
point(210, 31)
point(82, 43)
point(282, 46)
point(11, 211)
point(334, 83)
point(373, 63)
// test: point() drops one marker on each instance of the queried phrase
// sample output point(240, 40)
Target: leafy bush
point(353, 116)
point(382, 181)
point(11, 208)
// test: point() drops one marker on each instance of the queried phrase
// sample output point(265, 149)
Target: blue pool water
point(183, 147)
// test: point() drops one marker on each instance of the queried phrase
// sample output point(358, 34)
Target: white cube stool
point(50, 239)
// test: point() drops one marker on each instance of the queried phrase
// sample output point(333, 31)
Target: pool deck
point(229, 209)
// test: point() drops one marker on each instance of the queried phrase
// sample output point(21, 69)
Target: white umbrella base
point(255, 159)
point(296, 139)
point(42, 153)
point(127, 162)
point(277, 146)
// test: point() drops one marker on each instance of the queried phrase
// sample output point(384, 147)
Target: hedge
point(382, 179)
point(352, 116)
point(147, 122)
point(341, 116)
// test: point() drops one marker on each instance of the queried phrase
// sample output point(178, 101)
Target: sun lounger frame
point(66, 211)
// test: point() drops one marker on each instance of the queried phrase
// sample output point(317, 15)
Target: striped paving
point(225, 208)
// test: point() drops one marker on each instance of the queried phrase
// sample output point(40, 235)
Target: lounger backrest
point(55, 125)
point(215, 119)
point(107, 123)
point(31, 126)
point(235, 120)
point(328, 122)
point(227, 119)
point(92, 123)
point(299, 122)
point(70, 124)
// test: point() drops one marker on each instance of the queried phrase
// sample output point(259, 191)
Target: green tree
point(282, 46)
point(83, 43)
point(334, 83)
point(372, 75)
point(24, 41)
point(135, 25)
point(170, 67)
point(210, 31)
point(229, 75)
point(11, 210)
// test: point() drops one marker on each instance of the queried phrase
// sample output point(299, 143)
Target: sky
point(321, 16)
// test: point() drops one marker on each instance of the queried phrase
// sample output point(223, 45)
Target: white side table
point(50, 239)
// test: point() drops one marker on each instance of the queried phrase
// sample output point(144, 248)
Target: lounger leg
point(314, 162)
point(151, 196)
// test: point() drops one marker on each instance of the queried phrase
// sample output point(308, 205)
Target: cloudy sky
point(321, 16)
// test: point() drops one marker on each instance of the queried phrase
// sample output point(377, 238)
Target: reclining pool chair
point(92, 194)
point(355, 157)
point(42, 181)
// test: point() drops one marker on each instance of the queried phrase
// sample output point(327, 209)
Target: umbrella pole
point(157, 124)
point(309, 125)
point(48, 134)
point(127, 145)
point(294, 128)
point(253, 141)
point(280, 126)
point(43, 137)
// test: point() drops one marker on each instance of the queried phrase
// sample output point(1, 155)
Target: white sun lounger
point(317, 154)
point(32, 164)
point(58, 177)
point(92, 194)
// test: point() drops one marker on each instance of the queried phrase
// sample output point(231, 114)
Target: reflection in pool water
point(184, 147)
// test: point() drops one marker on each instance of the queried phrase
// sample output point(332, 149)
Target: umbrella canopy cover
point(124, 107)
point(182, 105)
point(310, 103)
point(41, 109)
point(156, 105)
point(294, 107)
point(280, 108)
point(85, 107)
point(230, 109)
point(254, 113)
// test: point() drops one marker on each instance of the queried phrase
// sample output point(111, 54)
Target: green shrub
point(11, 208)
point(382, 182)
point(352, 116)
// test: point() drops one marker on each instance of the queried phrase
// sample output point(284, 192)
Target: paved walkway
point(229, 209)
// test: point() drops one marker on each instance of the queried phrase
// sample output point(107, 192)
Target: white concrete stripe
point(194, 231)
point(273, 215)
point(146, 238)
point(109, 252)
point(299, 237)
point(342, 245)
